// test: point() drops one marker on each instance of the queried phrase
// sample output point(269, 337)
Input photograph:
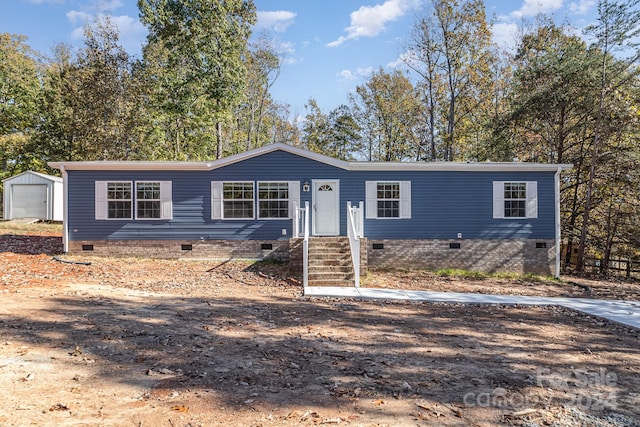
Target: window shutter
point(498, 199)
point(101, 204)
point(294, 196)
point(532, 199)
point(405, 199)
point(371, 199)
point(166, 209)
point(216, 199)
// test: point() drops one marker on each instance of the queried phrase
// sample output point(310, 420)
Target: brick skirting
point(513, 256)
point(185, 249)
point(489, 256)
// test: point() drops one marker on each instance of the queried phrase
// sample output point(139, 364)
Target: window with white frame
point(236, 200)
point(388, 199)
point(117, 199)
point(515, 199)
point(273, 200)
point(147, 200)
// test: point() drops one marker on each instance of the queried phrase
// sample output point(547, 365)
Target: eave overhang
point(341, 164)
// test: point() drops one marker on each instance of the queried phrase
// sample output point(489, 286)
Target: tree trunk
point(586, 217)
point(218, 140)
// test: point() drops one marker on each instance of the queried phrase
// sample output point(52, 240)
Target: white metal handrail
point(355, 231)
point(302, 214)
point(296, 220)
point(305, 247)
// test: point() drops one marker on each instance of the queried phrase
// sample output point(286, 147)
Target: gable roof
point(355, 166)
point(41, 175)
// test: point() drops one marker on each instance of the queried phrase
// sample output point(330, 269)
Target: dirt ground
point(138, 342)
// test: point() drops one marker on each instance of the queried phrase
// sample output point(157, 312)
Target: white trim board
point(352, 166)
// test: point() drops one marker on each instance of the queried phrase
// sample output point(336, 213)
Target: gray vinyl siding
point(443, 203)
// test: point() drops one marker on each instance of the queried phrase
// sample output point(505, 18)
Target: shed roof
point(41, 175)
point(355, 166)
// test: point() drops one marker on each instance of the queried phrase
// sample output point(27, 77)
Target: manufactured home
point(493, 217)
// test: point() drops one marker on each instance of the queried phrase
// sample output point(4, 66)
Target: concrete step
point(327, 249)
point(330, 259)
point(330, 262)
point(329, 242)
point(321, 276)
point(345, 262)
point(341, 283)
point(330, 269)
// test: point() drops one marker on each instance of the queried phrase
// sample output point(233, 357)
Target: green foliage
point(617, 30)
point(552, 88)
point(335, 134)
point(87, 104)
point(195, 54)
point(451, 52)
point(202, 90)
point(257, 116)
point(573, 103)
point(388, 112)
point(19, 94)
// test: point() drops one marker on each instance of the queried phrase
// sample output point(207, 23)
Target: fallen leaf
point(180, 408)
point(59, 407)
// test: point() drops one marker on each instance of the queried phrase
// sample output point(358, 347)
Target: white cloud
point(534, 7)
point(45, 1)
point(285, 48)
point(346, 75)
point(291, 61)
point(581, 7)
point(132, 32)
point(369, 21)
point(364, 72)
point(505, 35)
point(79, 18)
point(408, 57)
point(287, 51)
point(277, 21)
point(359, 73)
point(91, 11)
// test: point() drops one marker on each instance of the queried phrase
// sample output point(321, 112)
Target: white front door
point(326, 207)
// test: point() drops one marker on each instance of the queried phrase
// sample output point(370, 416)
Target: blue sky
point(329, 46)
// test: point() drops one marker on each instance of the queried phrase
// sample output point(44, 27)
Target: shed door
point(29, 201)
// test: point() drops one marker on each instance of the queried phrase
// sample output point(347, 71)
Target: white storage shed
point(33, 195)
